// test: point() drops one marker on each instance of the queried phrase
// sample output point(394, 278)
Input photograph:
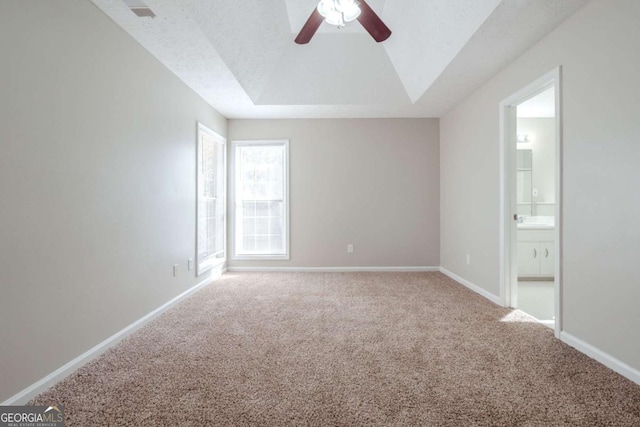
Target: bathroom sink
point(523, 226)
point(537, 223)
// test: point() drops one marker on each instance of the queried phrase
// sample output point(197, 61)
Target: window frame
point(233, 179)
point(210, 262)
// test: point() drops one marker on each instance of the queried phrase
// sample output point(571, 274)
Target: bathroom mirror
point(524, 186)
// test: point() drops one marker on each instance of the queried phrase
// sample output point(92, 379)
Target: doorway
point(530, 122)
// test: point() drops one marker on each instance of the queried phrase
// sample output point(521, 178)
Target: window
point(261, 211)
point(211, 203)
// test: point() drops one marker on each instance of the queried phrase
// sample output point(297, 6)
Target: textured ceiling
point(428, 35)
point(351, 70)
point(241, 58)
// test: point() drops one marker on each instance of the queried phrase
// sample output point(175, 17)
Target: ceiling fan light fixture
point(338, 12)
point(349, 8)
point(351, 13)
point(335, 18)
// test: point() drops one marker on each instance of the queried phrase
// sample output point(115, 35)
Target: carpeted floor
point(343, 349)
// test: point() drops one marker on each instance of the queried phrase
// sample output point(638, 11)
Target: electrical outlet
point(175, 270)
point(468, 259)
point(350, 248)
point(190, 264)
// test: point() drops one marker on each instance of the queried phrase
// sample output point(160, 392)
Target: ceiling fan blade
point(310, 27)
point(372, 23)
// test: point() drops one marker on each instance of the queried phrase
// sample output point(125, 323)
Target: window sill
point(260, 258)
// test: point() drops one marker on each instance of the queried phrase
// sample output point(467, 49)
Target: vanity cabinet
point(536, 253)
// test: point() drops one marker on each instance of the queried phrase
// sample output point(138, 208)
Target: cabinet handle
point(535, 253)
point(546, 253)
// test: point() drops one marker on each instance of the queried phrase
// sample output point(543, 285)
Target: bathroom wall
point(541, 133)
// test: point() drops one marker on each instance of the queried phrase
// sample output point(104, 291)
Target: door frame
point(508, 227)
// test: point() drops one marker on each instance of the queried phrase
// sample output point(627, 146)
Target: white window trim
point(232, 199)
point(202, 266)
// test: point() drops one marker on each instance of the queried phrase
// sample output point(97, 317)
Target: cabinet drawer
point(536, 235)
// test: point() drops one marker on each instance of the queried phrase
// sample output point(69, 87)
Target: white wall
point(542, 134)
point(97, 184)
point(370, 182)
point(598, 51)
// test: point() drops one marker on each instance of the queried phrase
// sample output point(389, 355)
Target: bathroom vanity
point(536, 247)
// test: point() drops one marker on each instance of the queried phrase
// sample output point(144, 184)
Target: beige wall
point(97, 172)
point(370, 182)
point(598, 51)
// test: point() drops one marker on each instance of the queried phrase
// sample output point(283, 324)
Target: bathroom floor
point(537, 300)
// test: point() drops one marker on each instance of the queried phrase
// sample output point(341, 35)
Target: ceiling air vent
point(140, 9)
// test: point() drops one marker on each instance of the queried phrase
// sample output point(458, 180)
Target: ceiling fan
point(339, 12)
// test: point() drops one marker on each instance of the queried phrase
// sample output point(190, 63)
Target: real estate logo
point(32, 416)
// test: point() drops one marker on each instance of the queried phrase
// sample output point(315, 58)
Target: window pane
point(262, 209)
point(262, 244)
point(262, 226)
point(249, 208)
point(249, 227)
point(275, 208)
point(275, 226)
point(248, 243)
point(248, 190)
point(274, 190)
point(277, 246)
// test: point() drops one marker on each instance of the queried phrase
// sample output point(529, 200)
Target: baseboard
point(232, 269)
point(475, 288)
point(602, 357)
point(22, 397)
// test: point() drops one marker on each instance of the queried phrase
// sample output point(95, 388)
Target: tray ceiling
point(241, 58)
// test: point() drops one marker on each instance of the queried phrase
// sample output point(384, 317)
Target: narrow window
point(261, 211)
point(211, 203)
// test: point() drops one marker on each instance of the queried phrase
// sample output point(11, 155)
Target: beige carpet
point(343, 349)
